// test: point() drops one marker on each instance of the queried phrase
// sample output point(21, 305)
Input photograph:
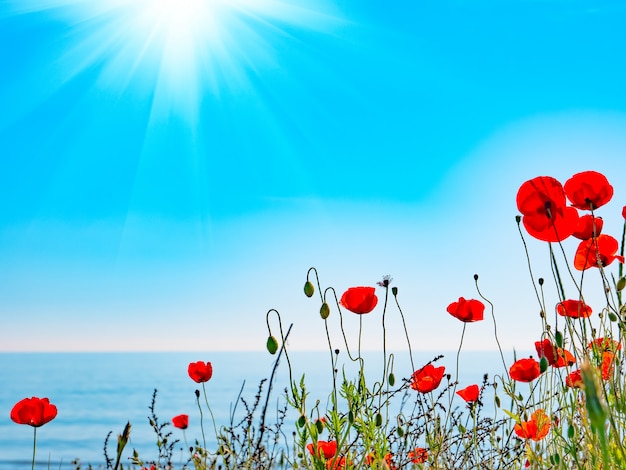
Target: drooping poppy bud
point(309, 289)
point(272, 345)
point(324, 311)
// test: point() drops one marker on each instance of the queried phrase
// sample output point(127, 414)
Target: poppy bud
point(497, 400)
point(476, 277)
point(350, 417)
point(324, 311)
point(319, 424)
point(540, 281)
point(392, 379)
point(309, 289)
point(461, 428)
point(571, 431)
point(378, 420)
point(197, 392)
point(301, 421)
point(558, 338)
point(400, 431)
point(621, 283)
point(394, 291)
point(272, 345)
point(543, 364)
point(612, 317)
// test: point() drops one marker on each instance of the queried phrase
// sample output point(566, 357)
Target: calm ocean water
point(96, 393)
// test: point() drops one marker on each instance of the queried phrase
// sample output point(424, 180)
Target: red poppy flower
point(556, 357)
point(525, 370)
point(573, 309)
point(338, 463)
point(469, 394)
point(418, 455)
point(588, 226)
point(467, 310)
point(325, 449)
point(359, 299)
point(588, 190)
point(608, 362)
point(427, 378)
point(200, 371)
point(624, 212)
point(536, 428)
point(546, 216)
point(181, 421)
point(574, 379)
point(33, 411)
point(596, 252)
point(605, 344)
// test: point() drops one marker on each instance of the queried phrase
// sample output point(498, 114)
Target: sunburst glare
point(175, 51)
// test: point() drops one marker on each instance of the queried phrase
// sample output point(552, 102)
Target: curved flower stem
point(495, 325)
point(385, 336)
point(206, 400)
point(34, 446)
point(343, 332)
point(530, 270)
point(283, 339)
point(201, 425)
point(394, 291)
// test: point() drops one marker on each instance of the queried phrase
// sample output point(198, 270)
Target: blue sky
point(168, 174)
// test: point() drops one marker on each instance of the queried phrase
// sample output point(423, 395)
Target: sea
point(99, 393)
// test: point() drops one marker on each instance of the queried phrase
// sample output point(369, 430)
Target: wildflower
point(469, 394)
point(418, 455)
point(386, 281)
point(467, 310)
point(372, 460)
point(608, 361)
point(427, 378)
point(181, 421)
point(588, 227)
point(588, 190)
point(596, 252)
point(556, 357)
point(200, 371)
point(605, 344)
point(33, 411)
point(337, 463)
point(624, 212)
point(525, 370)
point(574, 379)
point(536, 428)
point(573, 309)
point(325, 449)
point(359, 299)
point(546, 216)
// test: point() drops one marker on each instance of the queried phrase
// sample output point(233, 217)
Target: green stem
point(34, 446)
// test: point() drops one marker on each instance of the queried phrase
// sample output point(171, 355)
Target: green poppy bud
point(272, 345)
point(350, 417)
point(378, 420)
point(324, 311)
point(319, 424)
point(571, 431)
point(558, 337)
point(301, 421)
point(394, 291)
point(400, 431)
point(621, 283)
point(497, 400)
point(612, 317)
point(309, 289)
point(543, 364)
point(392, 379)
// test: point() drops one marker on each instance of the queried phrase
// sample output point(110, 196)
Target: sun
point(176, 51)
